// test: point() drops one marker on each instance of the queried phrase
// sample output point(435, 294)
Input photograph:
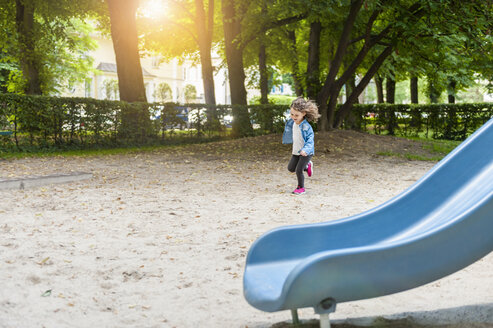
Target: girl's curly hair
point(306, 106)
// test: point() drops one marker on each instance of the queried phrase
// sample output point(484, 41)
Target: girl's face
point(297, 116)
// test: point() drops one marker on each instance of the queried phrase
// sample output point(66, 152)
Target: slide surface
point(439, 225)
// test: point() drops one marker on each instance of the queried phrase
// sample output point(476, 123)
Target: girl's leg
point(293, 163)
point(300, 167)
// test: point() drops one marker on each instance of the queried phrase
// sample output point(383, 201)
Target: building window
point(88, 88)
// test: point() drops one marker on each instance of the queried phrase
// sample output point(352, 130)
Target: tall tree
point(414, 89)
point(390, 88)
point(25, 29)
point(125, 43)
point(205, 28)
point(232, 16)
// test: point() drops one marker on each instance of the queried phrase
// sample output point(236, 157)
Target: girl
point(300, 133)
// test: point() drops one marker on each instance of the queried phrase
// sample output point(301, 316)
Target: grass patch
point(437, 149)
point(440, 147)
point(105, 150)
point(79, 152)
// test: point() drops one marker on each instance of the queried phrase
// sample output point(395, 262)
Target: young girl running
point(300, 133)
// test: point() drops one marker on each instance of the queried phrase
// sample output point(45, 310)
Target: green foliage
point(61, 41)
point(452, 43)
point(175, 34)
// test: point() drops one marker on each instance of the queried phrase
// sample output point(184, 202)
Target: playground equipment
point(439, 225)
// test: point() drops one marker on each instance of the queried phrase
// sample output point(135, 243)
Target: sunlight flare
point(153, 9)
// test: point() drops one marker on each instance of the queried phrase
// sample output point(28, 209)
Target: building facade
point(103, 83)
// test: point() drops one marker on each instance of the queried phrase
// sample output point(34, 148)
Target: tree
point(190, 93)
point(110, 87)
point(244, 22)
point(232, 13)
point(163, 92)
point(24, 19)
point(34, 32)
point(205, 27)
point(364, 35)
point(327, 98)
point(414, 89)
point(125, 43)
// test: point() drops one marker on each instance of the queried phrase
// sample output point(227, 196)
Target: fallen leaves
point(46, 293)
point(43, 262)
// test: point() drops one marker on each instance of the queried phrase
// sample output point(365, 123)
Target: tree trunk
point(298, 87)
point(236, 71)
point(390, 99)
point(204, 31)
point(313, 65)
point(332, 86)
point(350, 86)
point(346, 107)
point(264, 76)
point(414, 90)
point(451, 91)
point(433, 92)
point(29, 64)
point(451, 123)
point(330, 91)
point(379, 86)
point(234, 55)
point(125, 43)
point(350, 118)
point(390, 89)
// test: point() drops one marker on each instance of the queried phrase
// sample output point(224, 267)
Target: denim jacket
point(306, 132)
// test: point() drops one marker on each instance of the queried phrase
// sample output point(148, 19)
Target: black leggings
point(298, 164)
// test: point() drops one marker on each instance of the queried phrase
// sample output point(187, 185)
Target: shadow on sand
point(471, 316)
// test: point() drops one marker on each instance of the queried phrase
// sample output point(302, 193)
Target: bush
point(438, 121)
point(40, 122)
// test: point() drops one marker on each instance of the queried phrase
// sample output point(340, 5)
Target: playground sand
point(159, 239)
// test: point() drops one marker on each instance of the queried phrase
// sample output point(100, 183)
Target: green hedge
point(438, 121)
point(39, 122)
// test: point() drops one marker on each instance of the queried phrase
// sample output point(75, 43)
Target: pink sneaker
point(299, 191)
point(309, 169)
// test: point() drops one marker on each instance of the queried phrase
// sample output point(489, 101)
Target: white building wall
point(176, 75)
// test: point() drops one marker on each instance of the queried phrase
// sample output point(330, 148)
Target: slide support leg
point(324, 320)
point(294, 315)
point(325, 307)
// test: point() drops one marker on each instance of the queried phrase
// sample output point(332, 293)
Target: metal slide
point(439, 225)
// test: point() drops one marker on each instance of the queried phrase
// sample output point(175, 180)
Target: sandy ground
point(159, 239)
